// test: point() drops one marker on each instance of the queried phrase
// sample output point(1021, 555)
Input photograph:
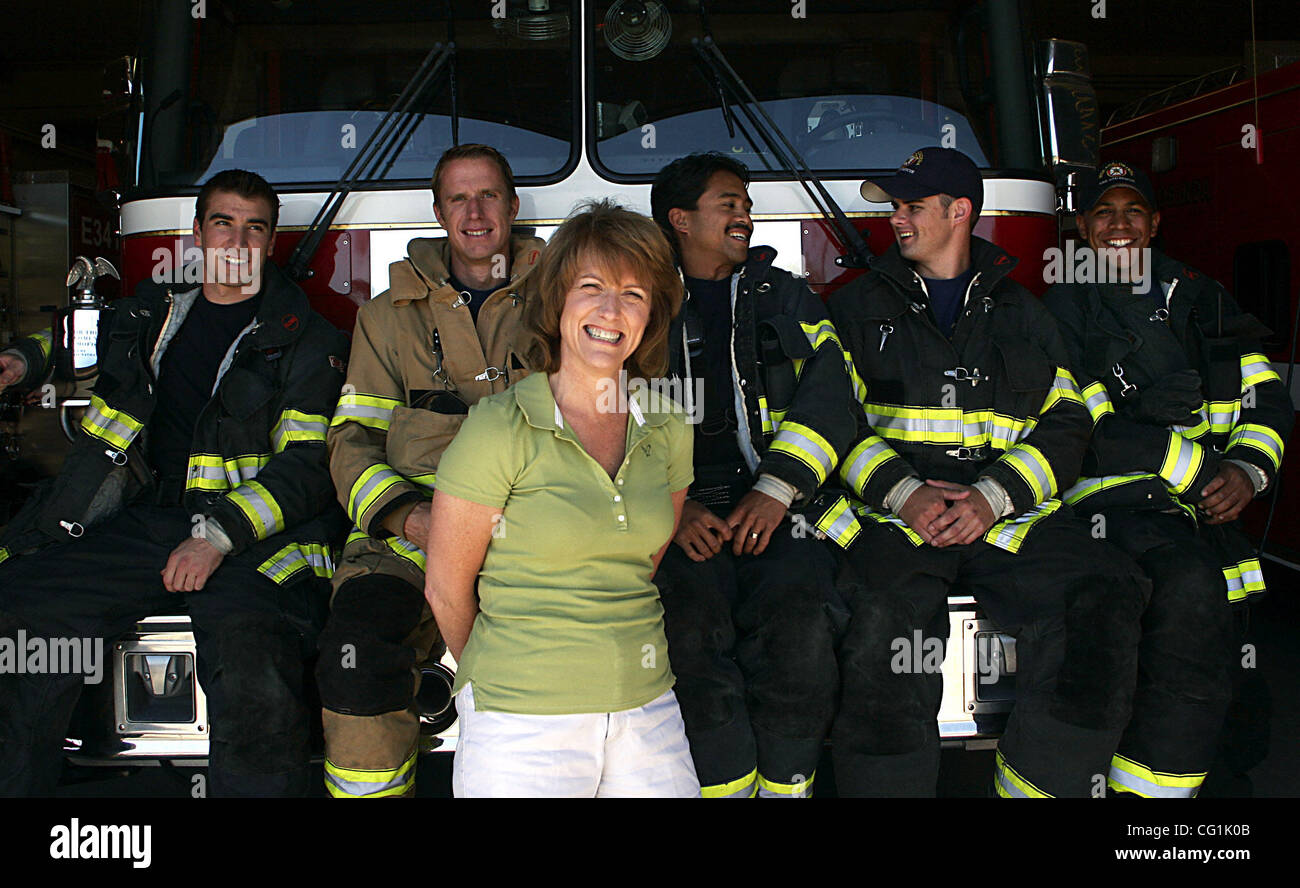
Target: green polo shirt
point(569, 621)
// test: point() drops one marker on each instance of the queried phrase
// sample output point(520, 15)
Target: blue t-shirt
point(947, 298)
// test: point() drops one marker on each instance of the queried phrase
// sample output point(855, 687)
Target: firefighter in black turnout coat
point(972, 424)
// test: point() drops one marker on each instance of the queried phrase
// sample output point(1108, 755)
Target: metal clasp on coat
point(961, 374)
point(885, 330)
point(492, 374)
point(1128, 389)
point(1160, 314)
point(117, 456)
point(462, 299)
point(966, 453)
point(73, 528)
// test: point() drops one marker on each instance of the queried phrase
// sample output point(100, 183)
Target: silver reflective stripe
point(1142, 786)
point(209, 473)
point(823, 329)
point(805, 445)
point(840, 525)
point(378, 479)
point(265, 511)
point(1263, 441)
point(1010, 788)
point(1035, 466)
point(238, 474)
point(1186, 452)
point(98, 419)
point(859, 465)
point(316, 429)
point(362, 411)
point(951, 429)
point(365, 788)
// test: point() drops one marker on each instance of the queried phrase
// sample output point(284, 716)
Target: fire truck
point(346, 106)
point(1227, 139)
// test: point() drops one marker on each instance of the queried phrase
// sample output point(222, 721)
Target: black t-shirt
point(476, 297)
point(947, 298)
point(715, 434)
point(186, 377)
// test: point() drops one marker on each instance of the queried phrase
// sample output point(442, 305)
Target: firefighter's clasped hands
point(944, 513)
point(749, 527)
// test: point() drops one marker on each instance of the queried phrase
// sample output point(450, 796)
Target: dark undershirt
point(947, 298)
point(715, 434)
point(187, 375)
point(476, 297)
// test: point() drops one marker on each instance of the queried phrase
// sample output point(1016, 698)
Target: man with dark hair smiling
point(1191, 421)
point(745, 586)
point(200, 471)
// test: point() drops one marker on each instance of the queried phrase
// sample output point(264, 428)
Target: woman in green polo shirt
point(559, 496)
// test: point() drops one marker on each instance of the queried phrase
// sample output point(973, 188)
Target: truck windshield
point(854, 84)
point(292, 90)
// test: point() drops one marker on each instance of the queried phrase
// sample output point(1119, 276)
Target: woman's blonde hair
point(615, 238)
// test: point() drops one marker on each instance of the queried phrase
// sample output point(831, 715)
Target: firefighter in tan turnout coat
point(446, 333)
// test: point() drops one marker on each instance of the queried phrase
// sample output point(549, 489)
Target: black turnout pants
point(1190, 643)
point(1073, 605)
point(253, 639)
point(751, 640)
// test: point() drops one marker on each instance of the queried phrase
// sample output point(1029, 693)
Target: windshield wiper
point(856, 253)
point(376, 156)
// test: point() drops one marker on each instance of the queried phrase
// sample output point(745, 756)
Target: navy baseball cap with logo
point(930, 171)
point(1115, 175)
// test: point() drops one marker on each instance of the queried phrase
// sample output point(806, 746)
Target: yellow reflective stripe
point(1127, 775)
point(425, 481)
point(863, 461)
point(742, 788)
point(1086, 487)
point(1222, 415)
point(259, 507)
point(404, 548)
point(798, 366)
point(864, 511)
point(771, 788)
point(44, 341)
point(4, 554)
point(367, 410)
point(947, 425)
point(296, 557)
point(764, 416)
point(239, 469)
point(839, 523)
point(1255, 369)
point(1064, 388)
point(821, 332)
point(859, 387)
point(351, 783)
point(1244, 579)
point(1030, 464)
point(1011, 785)
point(1097, 400)
point(807, 446)
point(373, 484)
point(206, 471)
point(1182, 461)
point(115, 427)
point(1009, 534)
point(355, 534)
point(1261, 438)
point(296, 427)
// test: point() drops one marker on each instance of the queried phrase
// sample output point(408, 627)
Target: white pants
point(638, 753)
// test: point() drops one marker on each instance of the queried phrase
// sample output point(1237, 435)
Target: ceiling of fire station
point(51, 69)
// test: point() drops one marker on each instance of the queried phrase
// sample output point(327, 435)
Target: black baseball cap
point(930, 171)
point(1115, 175)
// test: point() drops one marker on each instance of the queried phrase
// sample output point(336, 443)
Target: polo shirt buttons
point(622, 517)
point(617, 498)
point(619, 482)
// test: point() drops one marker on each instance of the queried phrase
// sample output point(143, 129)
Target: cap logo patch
point(914, 160)
point(1117, 171)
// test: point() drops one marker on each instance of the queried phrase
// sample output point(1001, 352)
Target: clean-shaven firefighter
point(746, 588)
point(198, 477)
point(971, 426)
point(1191, 421)
point(447, 332)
